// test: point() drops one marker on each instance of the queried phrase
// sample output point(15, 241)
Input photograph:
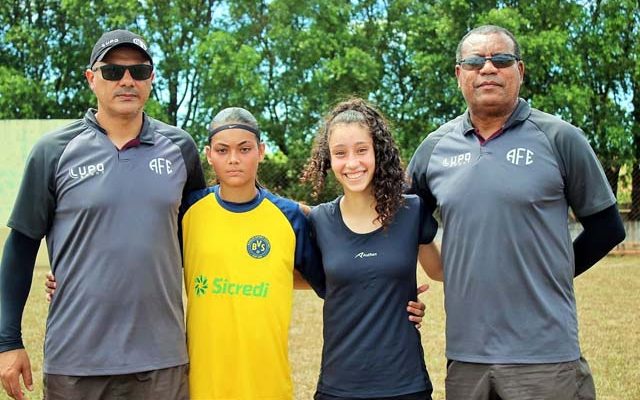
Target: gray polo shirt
point(110, 218)
point(506, 250)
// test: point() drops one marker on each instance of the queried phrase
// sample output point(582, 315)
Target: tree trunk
point(172, 106)
point(613, 173)
point(634, 214)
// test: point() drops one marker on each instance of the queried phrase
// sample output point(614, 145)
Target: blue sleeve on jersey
point(191, 198)
point(187, 201)
point(310, 259)
point(307, 256)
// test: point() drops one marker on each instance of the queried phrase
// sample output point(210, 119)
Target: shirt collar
point(145, 135)
point(240, 207)
point(519, 115)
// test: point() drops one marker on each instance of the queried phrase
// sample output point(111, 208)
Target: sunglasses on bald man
point(477, 62)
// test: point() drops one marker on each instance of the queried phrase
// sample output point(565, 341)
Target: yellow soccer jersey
point(238, 266)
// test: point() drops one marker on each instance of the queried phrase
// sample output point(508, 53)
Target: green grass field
point(608, 304)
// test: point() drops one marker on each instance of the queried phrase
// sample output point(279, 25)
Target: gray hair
point(487, 30)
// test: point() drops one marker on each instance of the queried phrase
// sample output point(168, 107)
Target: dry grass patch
point(608, 298)
point(608, 302)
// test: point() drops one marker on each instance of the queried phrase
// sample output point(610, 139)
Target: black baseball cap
point(113, 39)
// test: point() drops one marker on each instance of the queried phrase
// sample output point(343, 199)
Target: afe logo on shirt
point(520, 156)
point(84, 171)
point(258, 246)
point(161, 166)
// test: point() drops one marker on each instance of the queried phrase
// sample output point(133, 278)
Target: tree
point(290, 61)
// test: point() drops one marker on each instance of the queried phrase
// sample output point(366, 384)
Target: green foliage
point(289, 61)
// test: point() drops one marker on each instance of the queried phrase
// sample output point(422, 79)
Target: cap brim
point(105, 51)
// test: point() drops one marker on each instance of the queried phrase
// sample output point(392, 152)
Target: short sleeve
point(417, 172)
point(587, 188)
point(419, 185)
point(308, 257)
point(195, 175)
point(35, 203)
point(428, 223)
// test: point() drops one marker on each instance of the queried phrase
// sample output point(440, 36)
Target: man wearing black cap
point(105, 191)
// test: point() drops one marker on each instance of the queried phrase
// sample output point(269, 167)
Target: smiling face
point(490, 91)
point(352, 157)
point(235, 155)
point(125, 97)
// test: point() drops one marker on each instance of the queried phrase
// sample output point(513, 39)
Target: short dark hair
point(487, 30)
point(235, 115)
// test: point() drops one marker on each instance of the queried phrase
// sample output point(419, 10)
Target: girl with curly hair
point(370, 239)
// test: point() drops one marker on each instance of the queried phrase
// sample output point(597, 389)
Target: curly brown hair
point(388, 177)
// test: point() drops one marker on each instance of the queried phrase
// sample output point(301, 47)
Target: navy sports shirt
point(371, 349)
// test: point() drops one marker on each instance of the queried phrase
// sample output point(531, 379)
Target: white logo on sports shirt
point(362, 254)
point(84, 171)
point(456, 161)
point(519, 156)
point(161, 166)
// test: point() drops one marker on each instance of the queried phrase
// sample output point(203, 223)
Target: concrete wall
point(18, 137)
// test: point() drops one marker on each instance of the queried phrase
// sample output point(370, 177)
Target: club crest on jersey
point(84, 171)
point(258, 246)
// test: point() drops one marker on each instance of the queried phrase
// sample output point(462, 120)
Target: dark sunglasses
point(477, 62)
point(115, 72)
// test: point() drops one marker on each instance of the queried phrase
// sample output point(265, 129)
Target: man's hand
point(416, 308)
point(50, 286)
point(14, 363)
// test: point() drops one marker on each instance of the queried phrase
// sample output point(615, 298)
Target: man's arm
point(299, 283)
point(16, 273)
point(602, 232)
point(429, 258)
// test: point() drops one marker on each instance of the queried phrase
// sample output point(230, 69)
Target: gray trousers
point(162, 384)
point(559, 381)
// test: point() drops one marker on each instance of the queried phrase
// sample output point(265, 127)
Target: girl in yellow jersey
point(241, 244)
